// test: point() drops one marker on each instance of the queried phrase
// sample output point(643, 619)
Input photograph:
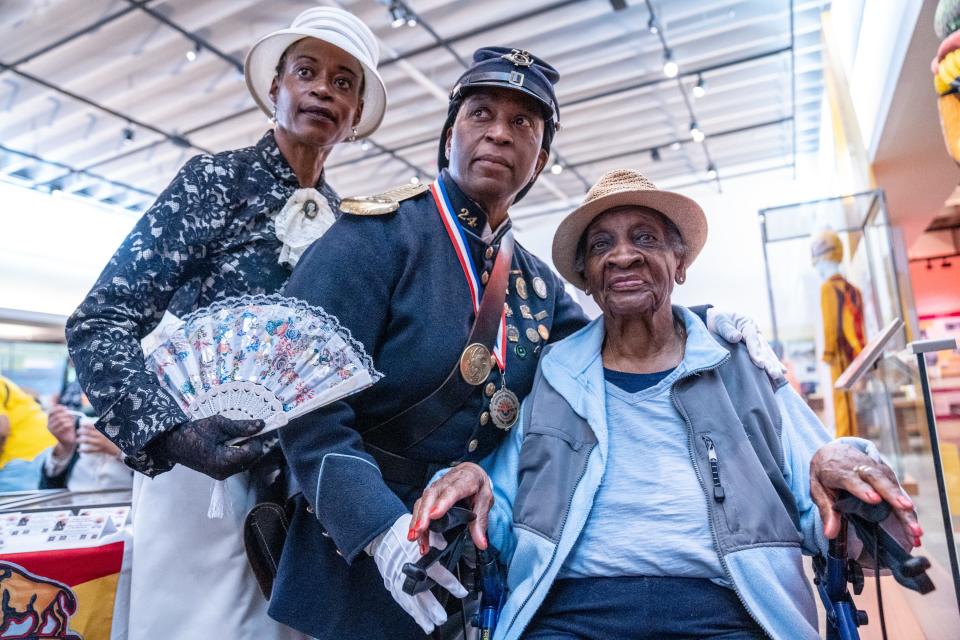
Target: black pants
point(641, 607)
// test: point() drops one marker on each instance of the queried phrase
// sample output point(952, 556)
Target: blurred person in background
point(23, 436)
point(83, 458)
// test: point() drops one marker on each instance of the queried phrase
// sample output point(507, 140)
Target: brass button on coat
point(484, 277)
point(472, 445)
point(488, 253)
point(490, 389)
point(484, 418)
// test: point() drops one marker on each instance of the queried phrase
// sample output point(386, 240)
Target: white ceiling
point(68, 90)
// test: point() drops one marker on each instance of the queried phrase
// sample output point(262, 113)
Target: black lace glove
point(201, 445)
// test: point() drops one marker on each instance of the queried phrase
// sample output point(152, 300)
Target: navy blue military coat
point(395, 281)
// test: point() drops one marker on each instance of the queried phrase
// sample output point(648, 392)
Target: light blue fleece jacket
point(768, 579)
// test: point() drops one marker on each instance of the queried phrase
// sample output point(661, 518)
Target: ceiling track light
point(652, 25)
point(696, 134)
point(397, 16)
point(400, 15)
point(945, 263)
point(128, 135)
point(415, 180)
point(655, 154)
point(699, 89)
point(192, 54)
point(675, 145)
point(556, 169)
point(711, 171)
point(670, 67)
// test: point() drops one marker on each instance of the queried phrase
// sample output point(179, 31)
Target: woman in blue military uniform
point(405, 274)
point(230, 224)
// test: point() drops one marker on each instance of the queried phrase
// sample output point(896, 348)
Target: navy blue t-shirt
point(634, 382)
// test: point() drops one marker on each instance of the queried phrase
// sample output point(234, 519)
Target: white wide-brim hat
point(331, 25)
point(618, 188)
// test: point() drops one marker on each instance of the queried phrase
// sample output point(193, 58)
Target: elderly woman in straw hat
point(658, 484)
point(229, 224)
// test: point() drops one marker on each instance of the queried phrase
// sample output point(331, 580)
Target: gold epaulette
point(386, 202)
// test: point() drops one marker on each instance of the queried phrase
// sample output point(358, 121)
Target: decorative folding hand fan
point(260, 357)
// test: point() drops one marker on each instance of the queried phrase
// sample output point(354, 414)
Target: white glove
point(391, 550)
point(734, 327)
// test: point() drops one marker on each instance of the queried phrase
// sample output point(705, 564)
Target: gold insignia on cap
point(519, 57)
point(383, 203)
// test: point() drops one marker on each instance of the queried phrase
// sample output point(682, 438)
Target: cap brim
point(260, 67)
point(681, 210)
point(499, 85)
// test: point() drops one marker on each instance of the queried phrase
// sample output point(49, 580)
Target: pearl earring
point(353, 136)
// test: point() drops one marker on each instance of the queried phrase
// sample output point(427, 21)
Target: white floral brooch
point(305, 217)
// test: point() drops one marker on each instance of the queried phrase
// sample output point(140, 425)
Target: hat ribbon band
point(514, 78)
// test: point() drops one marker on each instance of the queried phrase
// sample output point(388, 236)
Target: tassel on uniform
point(218, 499)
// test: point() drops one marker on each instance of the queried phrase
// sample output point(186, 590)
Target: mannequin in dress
point(843, 333)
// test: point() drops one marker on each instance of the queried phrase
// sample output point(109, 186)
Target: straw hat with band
point(618, 188)
point(331, 25)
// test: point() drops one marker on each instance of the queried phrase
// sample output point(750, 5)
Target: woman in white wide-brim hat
point(229, 224)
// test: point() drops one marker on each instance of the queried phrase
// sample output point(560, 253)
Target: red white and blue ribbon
point(459, 241)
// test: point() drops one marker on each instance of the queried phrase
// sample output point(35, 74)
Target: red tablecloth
point(62, 593)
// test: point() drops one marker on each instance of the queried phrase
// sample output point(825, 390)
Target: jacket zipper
point(718, 494)
point(563, 524)
point(696, 469)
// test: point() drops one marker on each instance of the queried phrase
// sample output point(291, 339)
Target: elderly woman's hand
point(838, 466)
point(465, 481)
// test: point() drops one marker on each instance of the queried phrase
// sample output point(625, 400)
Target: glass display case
point(886, 404)
point(858, 293)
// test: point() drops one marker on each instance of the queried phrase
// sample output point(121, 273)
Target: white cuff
point(54, 466)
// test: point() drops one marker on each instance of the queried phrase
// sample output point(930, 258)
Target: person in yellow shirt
point(843, 329)
point(27, 437)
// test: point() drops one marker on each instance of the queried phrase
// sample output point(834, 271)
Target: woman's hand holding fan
point(206, 445)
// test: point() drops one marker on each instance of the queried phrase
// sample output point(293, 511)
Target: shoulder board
point(380, 204)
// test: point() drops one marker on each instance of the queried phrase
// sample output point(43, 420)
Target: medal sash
point(459, 241)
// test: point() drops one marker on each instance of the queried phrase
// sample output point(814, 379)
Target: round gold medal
point(544, 332)
point(504, 408)
point(475, 363)
point(521, 285)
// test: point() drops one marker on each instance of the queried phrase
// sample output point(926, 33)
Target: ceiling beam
point(590, 98)
point(73, 171)
point(684, 141)
point(190, 35)
point(485, 28)
point(135, 4)
point(175, 138)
